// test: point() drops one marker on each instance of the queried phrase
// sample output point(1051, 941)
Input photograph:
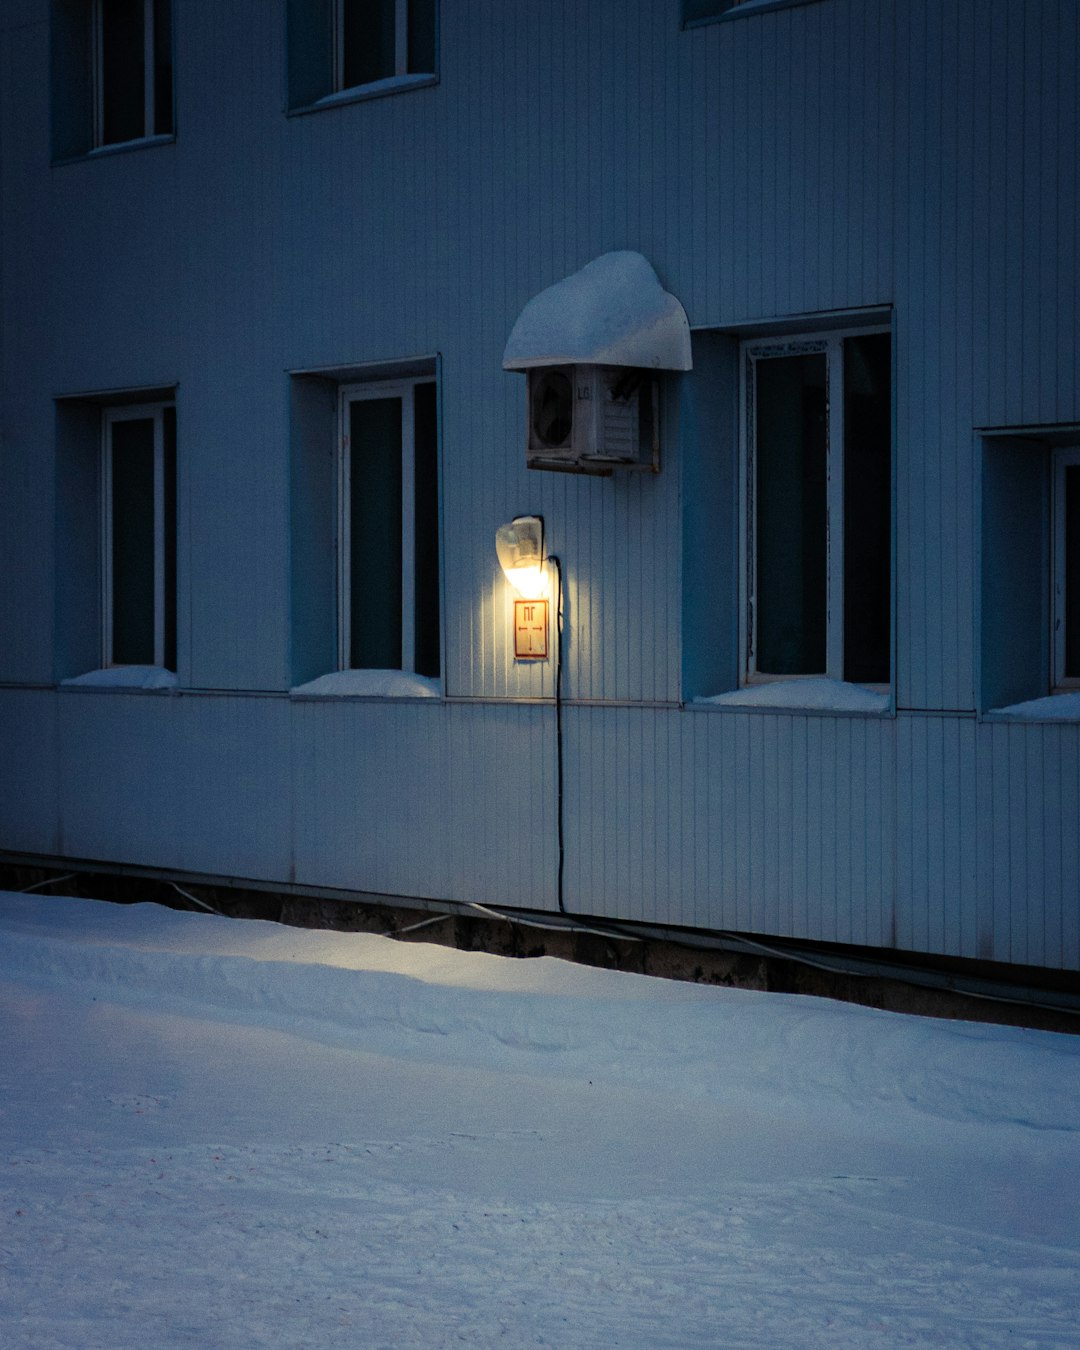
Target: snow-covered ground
point(217, 1133)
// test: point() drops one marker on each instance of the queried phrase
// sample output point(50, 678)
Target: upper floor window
point(338, 47)
point(694, 11)
point(138, 536)
point(816, 435)
point(112, 73)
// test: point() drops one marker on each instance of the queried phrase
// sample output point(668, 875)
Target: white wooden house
point(261, 263)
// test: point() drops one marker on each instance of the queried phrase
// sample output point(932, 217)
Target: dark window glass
point(426, 455)
point(1072, 571)
point(368, 39)
point(867, 498)
point(163, 71)
point(422, 37)
point(791, 515)
point(123, 113)
point(375, 534)
point(168, 418)
point(132, 542)
point(694, 11)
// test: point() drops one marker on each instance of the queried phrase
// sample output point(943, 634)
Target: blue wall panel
point(844, 154)
point(189, 783)
point(757, 822)
point(29, 765)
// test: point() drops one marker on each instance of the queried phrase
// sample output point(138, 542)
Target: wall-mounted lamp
point(520, 546)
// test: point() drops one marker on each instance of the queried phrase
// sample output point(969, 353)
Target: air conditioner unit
point(592, 419)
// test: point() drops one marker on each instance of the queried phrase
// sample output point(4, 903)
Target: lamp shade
point(520, 548)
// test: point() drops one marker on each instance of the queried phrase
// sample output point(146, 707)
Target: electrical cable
point(862, 969)
point(554, 559)
point(49, 881)
point(201, 904)
point(572, 927)
point(424, 923)
point(969, 987)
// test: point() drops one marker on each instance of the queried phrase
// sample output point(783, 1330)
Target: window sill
point(368, 684)
point(814, 695)
point(395, 84)
point(148, 679)
point(120, 148)
point(744, 11)
point(1052, 708)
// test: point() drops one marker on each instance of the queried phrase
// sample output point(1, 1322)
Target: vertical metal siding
point(179, 782)
point(767, 823)
point(26, 289)
point(986, 839)
point(408, 799)
point(833, 155)
point(30, 755)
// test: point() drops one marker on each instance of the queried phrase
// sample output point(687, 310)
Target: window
point(817, 470)
point(1029, 561)
point(111, 73)
point(696, 11)
point(138, 536)
point(364, 529)
point(388, 527)
point(1066, 597)
point(367, 46)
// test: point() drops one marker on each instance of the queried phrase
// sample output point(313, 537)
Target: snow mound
point(1053, 708)
point(817, 693)
point(478, 1009)
point(369, 684)
point(124, 677)
point(614, 312)
point(235, 1134)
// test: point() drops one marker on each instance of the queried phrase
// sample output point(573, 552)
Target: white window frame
point(98, 76)
point(401, 45)
point(751, 351)
point(358, 393)
point(1062, 459)
point(111, 416)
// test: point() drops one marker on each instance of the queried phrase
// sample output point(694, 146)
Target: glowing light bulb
point(520, 547)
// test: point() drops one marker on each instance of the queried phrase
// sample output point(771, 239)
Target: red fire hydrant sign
point(530, 630)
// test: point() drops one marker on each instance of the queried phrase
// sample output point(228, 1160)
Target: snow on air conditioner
point(590, 347)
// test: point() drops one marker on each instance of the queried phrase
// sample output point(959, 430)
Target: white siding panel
point(362, 819)
point(29, 756)
point(1067, 840)
point(176, 781)
point(423, 799)
point(986, 853)
point(989, 239)
point(762, 829)
point(26, 478)
point(435, 805)
point(839, 154)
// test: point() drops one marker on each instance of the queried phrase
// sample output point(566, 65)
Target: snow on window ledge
point(369, 684)
point(356, 93)
point(744, 8)
point(1052, 708)
point(124, 677)
point(817, 694)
